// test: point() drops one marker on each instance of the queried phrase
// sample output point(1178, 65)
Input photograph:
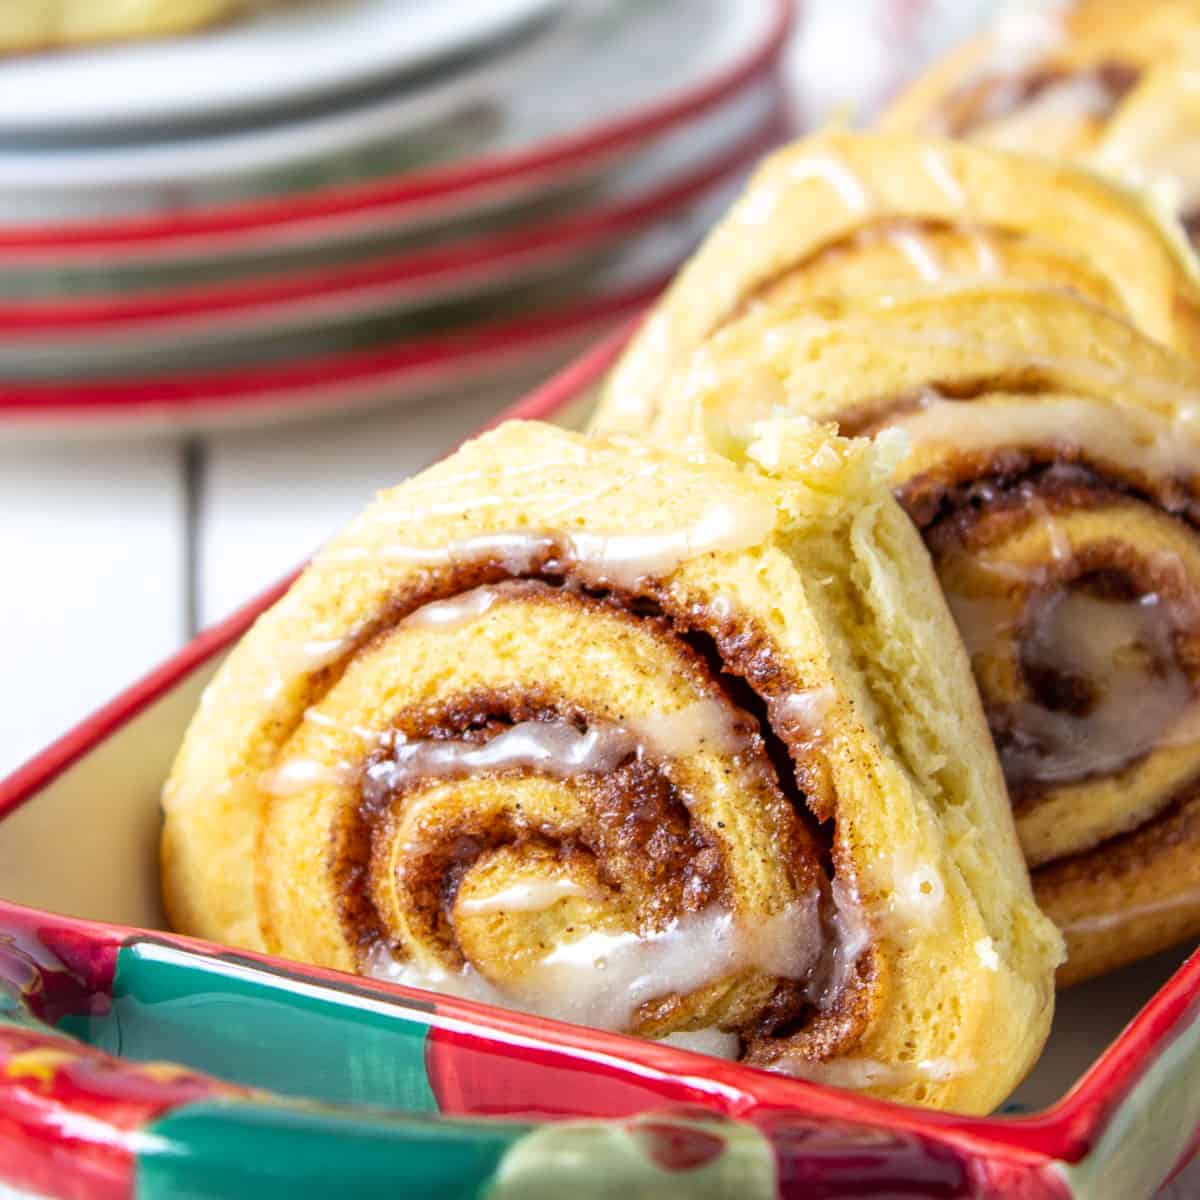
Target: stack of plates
point(353, 201)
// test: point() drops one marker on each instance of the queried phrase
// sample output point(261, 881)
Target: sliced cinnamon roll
point(1051, 460)
point(851, 213)
point(660, 744)
point(1113, 83)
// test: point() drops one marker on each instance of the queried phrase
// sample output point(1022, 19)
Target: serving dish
point(354, 1069)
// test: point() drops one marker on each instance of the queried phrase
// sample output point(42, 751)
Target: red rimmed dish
point(742, 44)
point(658, 192)
point(519, 1102)
point(513, 338)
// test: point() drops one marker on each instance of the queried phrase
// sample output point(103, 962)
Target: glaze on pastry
point(846, 212)
point(668, 745)
point(1053, 468)
point(1113, 83)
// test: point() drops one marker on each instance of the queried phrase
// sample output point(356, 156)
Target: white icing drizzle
point(706, 724)
point(918, 251)
point(1132, 440)
point(1107, 381)
point(1103, 922)
point(833, 170)
point(623, 559)
point(1123, 650)
point(987, 261)
point(530, 895)
point(1062, 549)
point(556, 747)
point(454, 612)
point(761, 202)
point(515, 550)
point(619, 559)
point(808, 708)
point(603, 979)
point(561, 749)
point(297, 775)
point(860, 1073)
point(851, 937)
point(939, 170)
point(714, 1042)
point(370, 737)
point(305, 658)
point(830, 169)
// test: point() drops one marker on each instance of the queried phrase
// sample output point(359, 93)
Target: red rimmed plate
point(701, 163)
point(414, 370)
point(730, 45)
point(78, 834)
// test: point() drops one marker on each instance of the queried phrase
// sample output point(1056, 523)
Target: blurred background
point(251, 274)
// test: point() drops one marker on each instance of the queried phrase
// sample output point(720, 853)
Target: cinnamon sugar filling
point(637, 837)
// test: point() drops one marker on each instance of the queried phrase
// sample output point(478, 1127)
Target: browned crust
point(1135, 895)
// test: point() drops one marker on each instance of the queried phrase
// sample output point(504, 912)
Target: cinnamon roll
point(1113, 83)
point(1051, 460)
point(673, 746)
point(851, 213)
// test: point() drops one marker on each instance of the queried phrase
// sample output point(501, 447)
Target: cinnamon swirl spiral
point(630, 739)
point(1051, 461)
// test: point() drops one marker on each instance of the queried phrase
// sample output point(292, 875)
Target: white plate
point(275, 335)
point(284, 54)
point(175, 273)
point(589, 82)
point(324, 148)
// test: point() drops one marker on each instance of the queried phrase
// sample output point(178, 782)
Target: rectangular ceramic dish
point(297, 1082)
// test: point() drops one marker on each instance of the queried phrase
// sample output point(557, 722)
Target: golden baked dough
point(562, 701)
point(50, 24)
point(1052, 463)
point(845, 211)
point(1115, 83)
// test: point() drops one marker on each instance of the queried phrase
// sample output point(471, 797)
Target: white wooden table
point(114, 552)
